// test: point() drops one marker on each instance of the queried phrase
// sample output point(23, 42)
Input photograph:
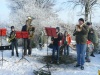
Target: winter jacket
point(56, 41)
point(67, 39)
point(82, 36)
point(24, 28)
point(13, 34)
point(92, 36)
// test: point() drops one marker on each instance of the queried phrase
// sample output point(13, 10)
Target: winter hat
point(58, 28)
point(12, 27)
point(81, 19)
point(89, 23)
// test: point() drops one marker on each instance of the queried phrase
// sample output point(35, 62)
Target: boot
point(77, 65)
point(92, 54)
point(82, 67)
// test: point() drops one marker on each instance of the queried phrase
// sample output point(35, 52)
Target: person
point(28, 41)
point(41, 40)
point(56, 41)
point(92, 36)
point(89, 49)
point(66, 42)
point(81, 34)
point(13, 40)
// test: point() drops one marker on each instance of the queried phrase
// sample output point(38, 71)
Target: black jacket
point(56, 40)
point(24, 28)
point(12, 34)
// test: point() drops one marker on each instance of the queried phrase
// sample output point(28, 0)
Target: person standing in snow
point(28, 41)
point(13, 40)
point(92, 36)
point(66, 42)
point(81, 34)
point(56, 41)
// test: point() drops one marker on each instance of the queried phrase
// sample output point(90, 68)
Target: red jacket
point(89, 42)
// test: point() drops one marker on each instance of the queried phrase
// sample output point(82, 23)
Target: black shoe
point(57, 62)
point(92, 55)
point(88, 60)
point(17, 55)
point(82, 67)
point(77, 65)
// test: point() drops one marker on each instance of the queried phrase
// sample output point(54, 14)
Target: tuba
point(30, 28)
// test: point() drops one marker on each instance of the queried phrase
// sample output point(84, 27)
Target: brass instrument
point(79, 27)
point(30, 28)
point(11, 38)
point(31, 31)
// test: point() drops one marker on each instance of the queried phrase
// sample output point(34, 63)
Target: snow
point(13, 67)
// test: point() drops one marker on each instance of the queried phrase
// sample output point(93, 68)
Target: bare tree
point(87, 6)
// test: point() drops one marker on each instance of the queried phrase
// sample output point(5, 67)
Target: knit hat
point(12, 27)
point(89, 23)
point(81, 19)
point(58, 28)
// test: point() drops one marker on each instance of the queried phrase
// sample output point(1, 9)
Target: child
point(90, 48)
point(66, 42)
point(13, 41)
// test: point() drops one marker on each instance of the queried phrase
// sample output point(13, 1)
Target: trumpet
point(79, 27)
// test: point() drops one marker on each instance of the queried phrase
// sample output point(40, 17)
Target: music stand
point(22, 35)
point(51, 32)
point(2, 33)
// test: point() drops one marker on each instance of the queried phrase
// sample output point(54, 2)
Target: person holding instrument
point(13, 41)
point(28, 41)
point(81, 34)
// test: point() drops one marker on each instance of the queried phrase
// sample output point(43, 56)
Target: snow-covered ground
point(13, 67)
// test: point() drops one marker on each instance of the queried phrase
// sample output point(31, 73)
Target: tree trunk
point(86, 11)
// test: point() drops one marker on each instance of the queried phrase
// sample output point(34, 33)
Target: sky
point(66, 13)
point(4, 10)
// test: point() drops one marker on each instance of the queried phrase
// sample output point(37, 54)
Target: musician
point(28, 41)
point(81, 34)
point(56, 41)
point(13, 41)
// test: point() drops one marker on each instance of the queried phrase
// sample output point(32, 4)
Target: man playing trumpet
point(81, 34)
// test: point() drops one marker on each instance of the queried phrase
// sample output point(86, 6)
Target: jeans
point(14, 44)
point(55, 48)
point(66, 48)
point(81, 50)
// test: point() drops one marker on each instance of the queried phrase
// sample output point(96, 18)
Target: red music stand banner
point(48, 31)
point(18, 34)
point(54, 34)
point(25, 34)
point(51, 31)
point(3, 32)
point(21, 34)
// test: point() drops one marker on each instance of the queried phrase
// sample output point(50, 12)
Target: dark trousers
point(66, 50)
point(14, 44)
point(27, 45)
point(55, 48)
